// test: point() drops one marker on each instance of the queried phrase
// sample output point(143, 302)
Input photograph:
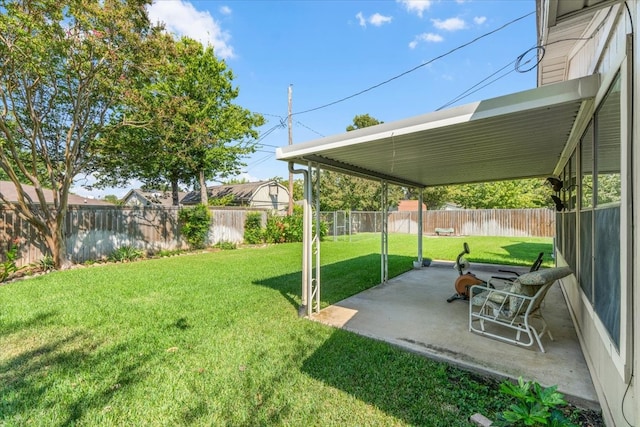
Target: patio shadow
point(417, 390)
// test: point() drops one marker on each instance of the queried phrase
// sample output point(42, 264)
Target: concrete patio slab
point(411, 311)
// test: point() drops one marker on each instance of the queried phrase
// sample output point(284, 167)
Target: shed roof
point(242, 193)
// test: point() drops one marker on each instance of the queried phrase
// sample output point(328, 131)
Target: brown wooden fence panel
point(473, 222)
point(93, 232)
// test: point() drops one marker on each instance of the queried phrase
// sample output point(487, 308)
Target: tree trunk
point(54, 240)
point(174, 193)
point(204, 198)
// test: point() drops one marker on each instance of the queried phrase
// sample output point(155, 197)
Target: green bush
point(125, 253)
point(253, 228)
point(286, 229)
point(8, 267)
point(168, 252)
point(534, 406)
point(46, 263)
point(225, 245)
point(195, 223)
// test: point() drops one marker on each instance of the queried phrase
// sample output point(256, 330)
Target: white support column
point(420, 198)
point(308, 239)
point(314, 292)
point(384, 249)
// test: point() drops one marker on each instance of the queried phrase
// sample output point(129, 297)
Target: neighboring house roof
point(242, 193)
point(410, 205)
point(148, 198)
point(8, 191)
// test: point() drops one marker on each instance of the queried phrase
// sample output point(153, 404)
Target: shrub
point(168, 252)
point(222, 201)
point(275, 231)
point(253, 228)
point(195, 223)
point(225, 245)
point(126, 253)
point(534, 406)
point(286, 229)
point(8, 266)
point(46, 263)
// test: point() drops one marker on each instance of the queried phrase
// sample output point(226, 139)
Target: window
point(585, 270)
point(606, 230)
point(596, 197)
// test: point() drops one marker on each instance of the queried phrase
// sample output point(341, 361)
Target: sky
point(389, 59)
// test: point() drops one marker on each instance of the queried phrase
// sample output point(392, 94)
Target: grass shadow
point(72, 365)
point(339, 280)
point(41, 318)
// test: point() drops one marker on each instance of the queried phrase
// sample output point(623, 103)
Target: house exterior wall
point(611, 364)
point(134, 199)
point(271, 197)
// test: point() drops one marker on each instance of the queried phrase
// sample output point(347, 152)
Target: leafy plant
point(225, 245)
point(196, 222)
point(8, 266)
point(169, 252)
point(287, 229)
point(535, 405)
point(126, 253)
point(253, 228)
point(225, 200)
point(46, 263)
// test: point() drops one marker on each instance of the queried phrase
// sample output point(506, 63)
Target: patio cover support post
point(384, 250)
point(314, 305)
point(420, 198)
point(306, 240)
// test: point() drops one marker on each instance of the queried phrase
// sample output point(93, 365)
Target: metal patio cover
point(520, 135)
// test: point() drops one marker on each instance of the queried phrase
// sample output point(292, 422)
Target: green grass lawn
point(214, 339)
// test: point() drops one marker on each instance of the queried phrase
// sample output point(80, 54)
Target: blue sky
point(331, 50)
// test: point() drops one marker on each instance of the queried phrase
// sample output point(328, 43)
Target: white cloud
point(479, 20)
point(376, 19)
point(182, 19)
point(451, 24)
point(225, 10)
point(425, 37)
point(416, 6)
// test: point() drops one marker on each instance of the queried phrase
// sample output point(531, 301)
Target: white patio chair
point(508, 314)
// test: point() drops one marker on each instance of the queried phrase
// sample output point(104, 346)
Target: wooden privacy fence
point(94, 232)
point(472, 222)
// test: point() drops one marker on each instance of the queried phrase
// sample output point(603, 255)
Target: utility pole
point(290, 210)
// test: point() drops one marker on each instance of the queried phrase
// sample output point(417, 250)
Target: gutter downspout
point(306, 242)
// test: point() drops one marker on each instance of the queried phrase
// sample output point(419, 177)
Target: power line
point(469, 91)
point(307, 127)
point(416, 67)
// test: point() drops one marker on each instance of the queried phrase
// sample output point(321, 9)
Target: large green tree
point(515, 194)
point(64, 65)
point(190, 130)
point(346, 192)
